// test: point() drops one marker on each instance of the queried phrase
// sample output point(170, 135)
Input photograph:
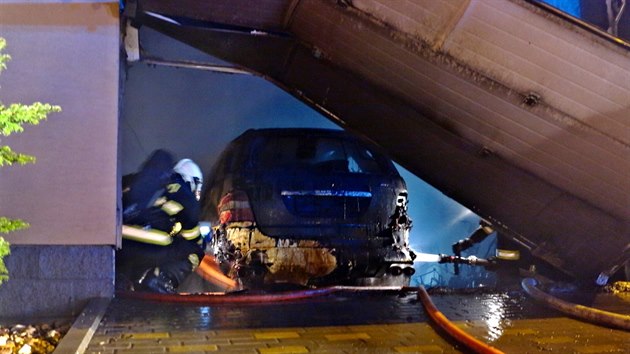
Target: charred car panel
point(308, 206)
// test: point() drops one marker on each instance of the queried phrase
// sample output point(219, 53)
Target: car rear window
point(337, 155)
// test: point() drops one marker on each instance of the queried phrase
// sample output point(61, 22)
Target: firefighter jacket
point(173, 212)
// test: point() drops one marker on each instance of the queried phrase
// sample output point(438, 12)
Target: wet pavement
point(355, 322)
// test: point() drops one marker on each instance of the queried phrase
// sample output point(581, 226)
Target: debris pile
point(619, 287)
point(31, 339)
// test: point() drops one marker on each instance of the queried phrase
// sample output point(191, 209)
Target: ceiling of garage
point(516, 114)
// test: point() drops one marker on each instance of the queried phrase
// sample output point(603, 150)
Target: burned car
point(309, 207)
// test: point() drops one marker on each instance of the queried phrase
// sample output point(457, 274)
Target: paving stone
point(322, 326)
point(276, 335)
point(284, 349)
point(193, 348)
point(230, 349)
point(148, 350)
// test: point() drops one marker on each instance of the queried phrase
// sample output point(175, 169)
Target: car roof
point(250, 134)
point(297, 131)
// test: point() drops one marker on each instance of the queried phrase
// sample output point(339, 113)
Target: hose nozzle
point(470, 260)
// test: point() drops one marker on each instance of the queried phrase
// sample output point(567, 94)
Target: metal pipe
point(196, 65)
point(395, 270)
point(613, 19)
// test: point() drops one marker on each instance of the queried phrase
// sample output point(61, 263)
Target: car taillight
point(234, 206)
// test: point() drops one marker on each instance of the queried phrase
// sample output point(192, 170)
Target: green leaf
point(3, 57)
point(8, 225)
point(15, 115)
point(5, 250)
point(12, 120)
point(9, 157)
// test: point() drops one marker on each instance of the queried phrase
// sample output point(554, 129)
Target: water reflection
point(495, 315)
point(205, 316)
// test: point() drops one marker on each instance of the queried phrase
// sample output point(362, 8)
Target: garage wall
point(63, 53)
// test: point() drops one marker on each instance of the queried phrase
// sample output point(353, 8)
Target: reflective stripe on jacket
point(152, 236)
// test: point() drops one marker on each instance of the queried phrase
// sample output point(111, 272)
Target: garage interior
point(504, 107)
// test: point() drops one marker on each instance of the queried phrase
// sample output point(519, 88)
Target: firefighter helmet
point(191, 173)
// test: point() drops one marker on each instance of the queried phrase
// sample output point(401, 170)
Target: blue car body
point(308, 206)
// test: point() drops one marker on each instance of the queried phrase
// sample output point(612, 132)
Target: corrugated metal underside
point(442, 86)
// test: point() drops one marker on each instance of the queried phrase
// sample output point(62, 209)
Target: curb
point(79, 335)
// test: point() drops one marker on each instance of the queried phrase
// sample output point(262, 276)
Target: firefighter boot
point(178, 270)
point(154, 280)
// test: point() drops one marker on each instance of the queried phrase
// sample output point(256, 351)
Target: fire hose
point(235, 297)
point(209, 270)
point(609, 319)
point(454, 331)
point(238, 297)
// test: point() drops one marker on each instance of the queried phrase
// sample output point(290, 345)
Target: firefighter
point(161, 242)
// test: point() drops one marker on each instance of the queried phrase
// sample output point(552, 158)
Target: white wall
point(63, 53)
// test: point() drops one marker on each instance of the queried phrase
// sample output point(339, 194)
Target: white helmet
point(191, 173)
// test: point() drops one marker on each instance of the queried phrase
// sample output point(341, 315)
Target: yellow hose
point(590, 314)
